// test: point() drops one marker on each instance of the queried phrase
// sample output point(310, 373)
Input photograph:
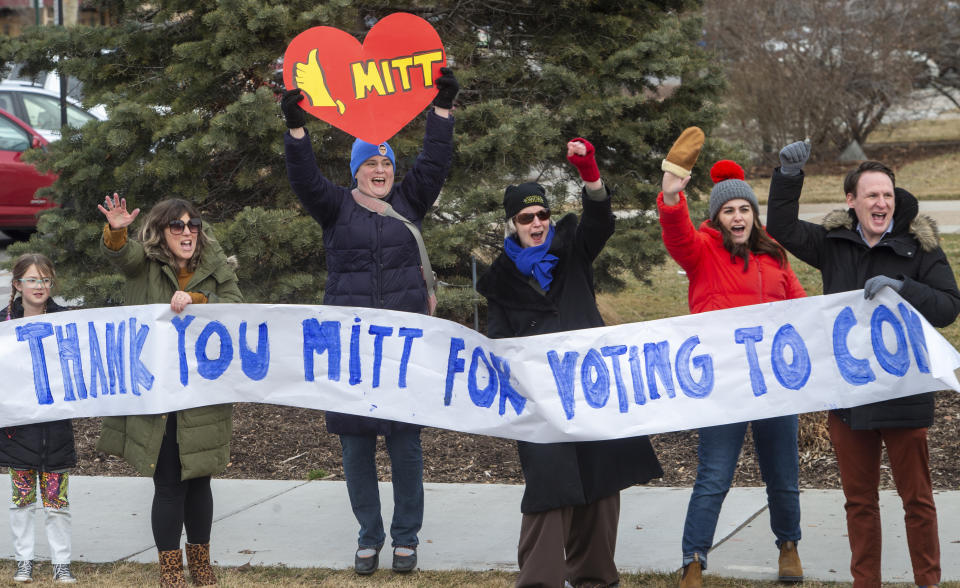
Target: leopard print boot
point(198, 563)
point(171, 569)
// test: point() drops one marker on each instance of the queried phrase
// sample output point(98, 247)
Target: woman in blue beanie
point(373, 261)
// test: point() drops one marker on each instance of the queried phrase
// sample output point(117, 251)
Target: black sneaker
point(24, 572)
point(404, 563)
point(61, 573)
point(365, 566)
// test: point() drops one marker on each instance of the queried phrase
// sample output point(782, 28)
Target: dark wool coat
point(581, 472)
point(39, 446)
point(910, 252)
point(372, 260)
point(204, 432)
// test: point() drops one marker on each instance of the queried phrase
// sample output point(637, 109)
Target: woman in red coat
point(731, 261)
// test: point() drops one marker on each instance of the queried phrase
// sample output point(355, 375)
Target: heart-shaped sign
point(371, 90)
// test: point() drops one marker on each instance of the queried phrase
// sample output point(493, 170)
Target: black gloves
point(293, 114)
point(447, 88)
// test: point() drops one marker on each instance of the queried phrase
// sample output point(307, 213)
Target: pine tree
point(192, 91)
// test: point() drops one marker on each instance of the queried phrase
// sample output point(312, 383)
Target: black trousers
point(178, 503)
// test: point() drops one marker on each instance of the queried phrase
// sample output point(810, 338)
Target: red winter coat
point(716, 282)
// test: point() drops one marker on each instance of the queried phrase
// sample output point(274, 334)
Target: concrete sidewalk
point(945, 212)
point(476, 527)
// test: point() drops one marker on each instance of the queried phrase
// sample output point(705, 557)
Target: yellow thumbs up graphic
point(309, 78)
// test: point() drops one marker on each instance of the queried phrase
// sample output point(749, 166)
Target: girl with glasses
point(174, 262)
point(39, 455)
point(543, 283)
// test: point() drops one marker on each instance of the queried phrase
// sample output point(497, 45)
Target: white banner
point(679, 373)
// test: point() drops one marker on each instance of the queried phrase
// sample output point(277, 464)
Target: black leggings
point(178, 504)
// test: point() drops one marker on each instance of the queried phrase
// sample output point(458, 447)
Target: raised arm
point(681, 239)
point(804, 239)
point(597, 222)
point(127, 256)
point(319, 196)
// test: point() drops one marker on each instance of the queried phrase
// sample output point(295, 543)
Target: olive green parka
point(203, 433)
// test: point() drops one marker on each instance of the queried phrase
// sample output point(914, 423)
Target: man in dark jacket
point(543, 283)
point(880, 241)
point(373, 261)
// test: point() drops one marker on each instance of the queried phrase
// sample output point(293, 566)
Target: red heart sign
point(371, 90)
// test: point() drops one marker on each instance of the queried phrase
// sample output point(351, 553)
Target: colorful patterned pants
point(52, 487)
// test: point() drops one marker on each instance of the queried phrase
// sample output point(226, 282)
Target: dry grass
point(816, 189)
point(933, 178)
point(122, 575)
point(940, 129)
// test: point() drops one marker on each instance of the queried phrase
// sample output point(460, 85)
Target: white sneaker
point(61, 573)
point(24, 572)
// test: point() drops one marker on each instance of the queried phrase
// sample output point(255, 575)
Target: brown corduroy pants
point(858, 457)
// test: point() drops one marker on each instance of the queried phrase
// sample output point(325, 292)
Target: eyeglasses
point(525, 218)
point(177, 226)
point(36, 282)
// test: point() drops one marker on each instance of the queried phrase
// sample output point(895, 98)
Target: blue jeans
point(775, 441)
point(406, 468)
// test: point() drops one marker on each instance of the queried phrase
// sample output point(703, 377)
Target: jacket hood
point(906, 220)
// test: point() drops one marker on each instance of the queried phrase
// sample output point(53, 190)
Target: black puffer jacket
point(581, 472)
point(910, 252)
point(40, 446)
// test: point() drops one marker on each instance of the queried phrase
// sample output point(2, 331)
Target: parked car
point(40, 108)
point(19, 181)
point(48, 80)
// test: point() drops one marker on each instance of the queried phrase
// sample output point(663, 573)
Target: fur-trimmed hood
point(906, 214)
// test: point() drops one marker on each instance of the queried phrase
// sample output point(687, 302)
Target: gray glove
point(793, 157)
point(874, 284)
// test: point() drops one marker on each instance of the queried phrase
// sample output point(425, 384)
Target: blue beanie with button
point(363, 151)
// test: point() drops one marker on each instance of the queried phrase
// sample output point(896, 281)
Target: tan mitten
point(684, 153)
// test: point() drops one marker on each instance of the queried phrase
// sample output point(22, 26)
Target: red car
point(19, 181)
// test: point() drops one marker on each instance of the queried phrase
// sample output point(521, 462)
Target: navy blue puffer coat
point(372, 261)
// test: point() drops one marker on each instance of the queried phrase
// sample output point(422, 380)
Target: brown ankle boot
point(790, 568)
point(692, 574)
point(198, 564)
point(171, 569)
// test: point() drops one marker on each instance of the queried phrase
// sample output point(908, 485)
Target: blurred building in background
point(16, 15)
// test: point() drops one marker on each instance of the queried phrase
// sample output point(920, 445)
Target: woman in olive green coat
point(174, 262)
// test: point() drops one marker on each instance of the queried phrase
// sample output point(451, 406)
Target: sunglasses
point(36, 282)
point(177, 226)
point(525, 218)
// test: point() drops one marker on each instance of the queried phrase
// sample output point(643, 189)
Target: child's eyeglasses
point(525, 218)
point(177, 226)
point(36, 282)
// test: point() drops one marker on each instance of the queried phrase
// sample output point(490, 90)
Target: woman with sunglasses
point(174, 262)
point(543, 283)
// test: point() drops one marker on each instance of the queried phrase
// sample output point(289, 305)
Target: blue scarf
point(533, 261)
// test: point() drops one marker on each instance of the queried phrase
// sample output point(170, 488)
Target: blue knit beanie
point(363, 151)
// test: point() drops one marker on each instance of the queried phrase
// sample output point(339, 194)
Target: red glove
point(586, 164)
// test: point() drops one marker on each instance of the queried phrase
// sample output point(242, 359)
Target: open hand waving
point(116, 212)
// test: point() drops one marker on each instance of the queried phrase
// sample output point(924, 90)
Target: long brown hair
point(758, 243)
point(20, 267)
point(159, 217)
